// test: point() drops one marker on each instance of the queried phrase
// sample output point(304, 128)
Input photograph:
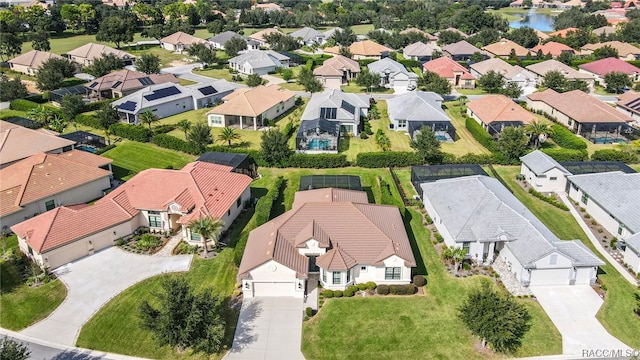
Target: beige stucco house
point(17, 143)
point(86, 54)
point(180, 41)
point(29, 63)
point(337, 71)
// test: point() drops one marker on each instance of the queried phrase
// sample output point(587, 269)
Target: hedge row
point(264, 205)
point(387, 195)
point(388, 159)
point(549, 200)
point(613, 155)
point(105, 149)
point(131, 132)
point(97, 105)
point(88, 120)
point(563, 155)
point(173, 143)
point(318, 161)
point(23, 105)
point(566, 138)
point(480, 134)
point(408, 289)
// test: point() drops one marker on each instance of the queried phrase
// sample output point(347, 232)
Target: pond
point(532, 19)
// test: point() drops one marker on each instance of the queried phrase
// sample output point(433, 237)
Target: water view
point(532, 19)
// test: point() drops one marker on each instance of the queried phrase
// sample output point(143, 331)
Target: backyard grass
point(292, 85)
point(130, 157)
point(217, 72)
point(20, 304)
point(636, 167)
point(167, 58)
point(476, 91)
point(466, 143)
point(616, 315)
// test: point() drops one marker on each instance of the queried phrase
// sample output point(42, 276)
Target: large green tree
point(13, 350)
point(208, 228)
point(40, 40)
point(148, 63)
point(104, 65)
point(368, 80)
point(180, 318)
point(492, 82)
point(275, 148)
point(11, 89)
point(205, 54)
point(107, 115)
point(495, 318)
point(430, 81)
point(512, 143)
point(200, 137)
point(52, 73)
point(524, 36)
point(554, 80)
point(10, 45)
point(512, 90)
point(617, 81)
point(604, 52)
point(253, 80)
point(428, 146)
point(538, 130)
point(116, 29)
point(185, 126)
point(71, 106)
point(234, 46)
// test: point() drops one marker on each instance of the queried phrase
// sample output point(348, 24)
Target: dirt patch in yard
point(175, 63)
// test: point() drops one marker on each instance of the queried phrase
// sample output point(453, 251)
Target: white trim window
point(337, 278)
point(392, 273)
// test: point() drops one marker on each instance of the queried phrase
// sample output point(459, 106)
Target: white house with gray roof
point(334, 105)
point(259, 62)
point(307, 36)
point(218, 41)
point(544, 173)
point(632, 252)
point(612, 199)
point(480, 215)
point(393, 74)
point(412, 110)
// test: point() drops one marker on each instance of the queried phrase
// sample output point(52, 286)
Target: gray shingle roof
point(222, 38)
point(382, 66)
point(578, 252)
point(480, 208)
point(260, 58)
point(417, 106)
point(634, 243)
point(306, 34)
point(334, 99)
point(615, 192)
point(461, 48)
point(540, 163)
point(419, 49)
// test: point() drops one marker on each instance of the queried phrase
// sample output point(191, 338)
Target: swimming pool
point(319, 144)
point(87, 148)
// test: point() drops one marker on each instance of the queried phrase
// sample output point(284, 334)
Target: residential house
point(504, 47)
point(611, 198)
point(632, 252)
point(180, 41)
point(541, 36)
point(259, 62)
point(267, 7)
point(333, 235)
point(17, 143)
point(337, 71)
point(511, 73)
point(448, 69)
point(255, 105)
point(429, 39)
point(346, 109)
point(461, 50)
point(553, 48)
point(604, 31)
point(416, 109)
point(543, 172)
point(44, 181)
point(564, 32)
point(218, 41)
point(86, 54)
point(599, 68)
point(452, 29)
point(629, 103)
point(325, 36)
point(365, 49)
point(159, 199)
point(495, 112)
point(124, 82)
point(481, 216)
point(583, 114)
point(393, 74)
point(625, 50)
point(30, 62)
point(420, 51)
point(542, 68)
point(169, 99)
point(307, 36)
point(260, 36)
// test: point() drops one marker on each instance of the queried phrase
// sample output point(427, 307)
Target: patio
point(608, 133)
point(318, 136)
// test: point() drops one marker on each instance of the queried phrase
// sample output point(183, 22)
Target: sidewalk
point(596, 243)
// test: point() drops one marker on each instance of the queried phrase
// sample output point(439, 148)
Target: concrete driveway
point(268, 328)
point(94, 280)
point(573, 311)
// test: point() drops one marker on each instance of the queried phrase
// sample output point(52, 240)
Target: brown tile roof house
point(17, 142)
point(198, 189)
point(343, 232)
point(503, 48)
point(85, 54)
point(124, 82)
point(625, 50)
point(542, 68)
point(541, 35)
point(365, 49)
point(448, 69)
point(259, 36)
point(629, 103)
point(43, 177)
point(553, 48)
point(30, 62)
point(590, 109)
point(336, 71)
point(498, 109)
point(419, 51)
point(461, 50)
point(180, 41)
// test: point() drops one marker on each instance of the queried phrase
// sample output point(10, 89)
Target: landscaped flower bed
point(183, 248)
point(146, 243)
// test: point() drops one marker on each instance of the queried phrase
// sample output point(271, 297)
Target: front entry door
point(313, 268)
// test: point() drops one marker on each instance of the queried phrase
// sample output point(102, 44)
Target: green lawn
point(514, 14)
point(636, 167)
point(130, 157)
point(476, 91)
point(466, 143)
point(362, 29)
point(616, 315)
point(352, 87)
point(167, 58)
point(292, 85)
point(218, 72)
point(20, 304)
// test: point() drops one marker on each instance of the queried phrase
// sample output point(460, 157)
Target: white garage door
point(401, 83)
point(273, 288)
point(550, 277)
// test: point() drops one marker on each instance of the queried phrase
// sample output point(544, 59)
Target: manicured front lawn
point(476, 91)
point(466, 143)
point(352, 87)
point(20, 304)
point(131, 157)
point(216, 73)
point(616, 315)
point(292, 85)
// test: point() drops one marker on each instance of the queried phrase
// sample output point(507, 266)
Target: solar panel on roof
point(116, 84)
point(93, 84)
point(350, 108)
point(128, 105)
point(162, 93)
point(207, 90)
point(146, 81)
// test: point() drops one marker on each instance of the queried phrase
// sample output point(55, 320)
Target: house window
point(229, 212)
point(553, 259)
point(402, 123)
point(324, 276)
point(585, 198)
point(466, 246)
point(328, 113)
point(239, 202)
point(467, 82)
point(541, 176)
point(336, 277)
point(620, 228)
point(392, 273)
point(574, 186)
point(553, 178)
point(363, 269)
point(50, 205)
point(195, 236)
point(348, 276)
point(569, 122)
point(154, 219)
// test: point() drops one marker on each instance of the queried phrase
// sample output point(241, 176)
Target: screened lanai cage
point(58, 94)
point(609, 133)
point(318, 136)
point(430, 173)
point(591, 167)
point(443, 130)
point(496, 127)
point(349, 182)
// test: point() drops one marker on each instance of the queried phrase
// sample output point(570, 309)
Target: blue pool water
point(441, 137)
point(532, 19)
point(86, 148)
point(319, 144)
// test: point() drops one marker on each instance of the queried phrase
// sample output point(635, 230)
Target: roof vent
point(47, 174)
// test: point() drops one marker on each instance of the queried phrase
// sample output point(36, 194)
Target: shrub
point(466, 266)
point(328, 294)
point(171, 142)
point(419, 280)
point(148, 241)
point(105, 149)
point(567, 139)
point(97, 105)
point(362, 286)
point(371, 285)
point(131, 132)
point(408, 289)
point(438, 237)
point(88, 120)
point(163, 128)
point(265, 203)
point(593, 222)
point(308, 311)
point(428, 219)
point(473, 159)
point(351, 290)
point(23, 105)
point(338, 293)
point(383, 289)
point(364, 136)
point(560, 154)
point(613, 155)
point(549, 200)
point(388, 159)
point(480, 134)
point(318, 161)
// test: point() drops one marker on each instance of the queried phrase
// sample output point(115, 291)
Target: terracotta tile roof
point(17, 142)
point(591, 110)
point(357, 233)
point(419, 49)
point(92, 51)
point(86, 158)
point(541, 35)
point(604, 66)
point(446, 67)
point(624, 49)
point(33, 58)
point(563, 33)
point(127, 80)
point(182, 38)
point(260, 34)
point(252, 101)
point(330, 195)
point(499, 108)
point(553, 48)
point(504, 47)
point(43, 175)
point(334, 65)
point(368, 48)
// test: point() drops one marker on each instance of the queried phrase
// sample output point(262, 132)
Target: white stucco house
point(632, 253)
point(331, 236)
point(393, 74)
point(259, 62)
point(480, 215)
point(543, 172)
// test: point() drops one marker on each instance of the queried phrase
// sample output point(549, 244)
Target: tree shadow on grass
point(370, 196)
point(343, 144)
point(119, 172)
point(420, 266)
point(278, 207)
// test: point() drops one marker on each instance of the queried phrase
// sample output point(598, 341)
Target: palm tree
point(148, 118)
point(538, 131)
point(184, 125)
point(40, 114)
point(207, 227)
point(228, 134)
point(107, 134)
